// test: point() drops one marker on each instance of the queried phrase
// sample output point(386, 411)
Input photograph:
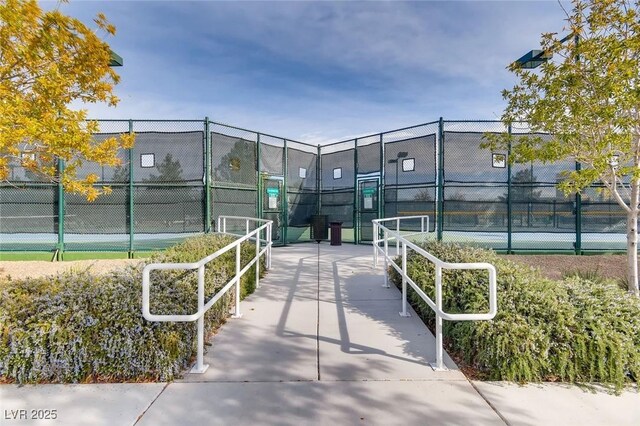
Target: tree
point(170, 171)
point(47, 61)
point(588, 98)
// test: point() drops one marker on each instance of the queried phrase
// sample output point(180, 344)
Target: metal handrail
point(199, 367)
point(436, 306)
point(222, 228)
point(423, 229)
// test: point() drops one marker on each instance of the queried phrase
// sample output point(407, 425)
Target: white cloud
point(409, 62)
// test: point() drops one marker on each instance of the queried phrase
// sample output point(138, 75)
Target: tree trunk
point(632, 251)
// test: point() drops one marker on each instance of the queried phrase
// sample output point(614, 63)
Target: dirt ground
point(552, 266)
point(557, 265)
point(22, 269)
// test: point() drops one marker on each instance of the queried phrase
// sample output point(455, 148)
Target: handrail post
point(237, 313)
point(224, 225)
point(404, 312)
point(439, 362)
point(386, 260)
point(375, 244)
point(246, 226)
point(200, 367)
point(258, 259)
point(397, 235)
point(269, 244)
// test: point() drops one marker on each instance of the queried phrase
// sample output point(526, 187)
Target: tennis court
point(182, 175)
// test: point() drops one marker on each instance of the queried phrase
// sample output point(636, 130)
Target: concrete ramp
point(322, 342)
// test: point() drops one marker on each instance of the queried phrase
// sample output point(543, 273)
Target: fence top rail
point(260, 133)
point(471, 121)
point(380, 133)
point(149, 120)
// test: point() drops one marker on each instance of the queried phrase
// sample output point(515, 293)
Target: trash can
point(319, 230)
point(336, 233)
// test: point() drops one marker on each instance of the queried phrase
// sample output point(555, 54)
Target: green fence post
point(578, 217)
point(440, 204)
point(319, 180)
point(131, 221)
point(207, 176)
point(60, 245)
point(356, 237)
point(381, 206)
point(509, 205)
point(285, 197)
point(259, 207)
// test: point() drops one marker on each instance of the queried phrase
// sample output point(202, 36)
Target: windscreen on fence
point(474, 187)
point(167, 188)
point(368, 155)
point(168, 176)
point(233, 172)
point(337, 181)
point(28, 217)
point(410, 173)
point(301, 190)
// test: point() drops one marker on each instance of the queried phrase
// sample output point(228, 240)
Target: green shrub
point(77, 327)
point(576, 330)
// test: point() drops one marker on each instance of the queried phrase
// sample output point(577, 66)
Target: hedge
point(81, 327)
point(575, 330)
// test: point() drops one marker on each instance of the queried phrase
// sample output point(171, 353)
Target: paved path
point(321, 342)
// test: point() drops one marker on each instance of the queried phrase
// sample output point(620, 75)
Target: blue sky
point(317, 71)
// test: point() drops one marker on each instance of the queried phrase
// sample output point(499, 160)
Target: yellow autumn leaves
point(47, 61)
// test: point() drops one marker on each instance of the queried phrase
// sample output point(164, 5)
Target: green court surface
point(68, 256)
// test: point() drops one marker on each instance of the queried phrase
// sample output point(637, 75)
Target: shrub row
point(575, 330)
point(81, 327)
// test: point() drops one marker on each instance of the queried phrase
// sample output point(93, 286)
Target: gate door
point(272, 206)
point(367, 208)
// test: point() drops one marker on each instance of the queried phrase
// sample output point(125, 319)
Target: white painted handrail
point(402, 243)
point(424, 228)
point(254, 234)
point(222, 228)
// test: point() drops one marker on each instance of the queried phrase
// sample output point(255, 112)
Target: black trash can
point(319, 230)
point(336, 233)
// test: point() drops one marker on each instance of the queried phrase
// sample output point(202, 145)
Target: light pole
point(396, 161)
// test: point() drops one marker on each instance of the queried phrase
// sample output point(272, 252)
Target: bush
point(80, 327)
point(576, 330)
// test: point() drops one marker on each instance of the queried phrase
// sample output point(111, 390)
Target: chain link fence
point(182, 175)
point(179, 177)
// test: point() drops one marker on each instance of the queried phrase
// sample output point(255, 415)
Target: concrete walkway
point(321, 342)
